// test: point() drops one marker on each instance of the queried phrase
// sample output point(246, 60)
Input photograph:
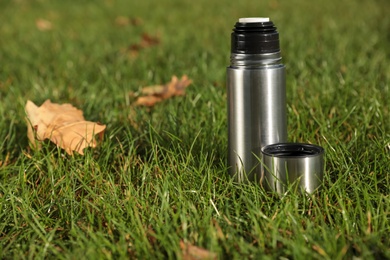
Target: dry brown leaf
point(63, 124)
point(191, 252)
point(147, 41)
point(6, 160)
point(218, 230)
point(43, 25)
point(158, 93)
point(124, 21)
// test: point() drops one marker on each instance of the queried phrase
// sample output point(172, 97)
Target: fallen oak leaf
point(124, 21)
point(148, 101)
point(177, 87)
point(149, 40)
point(153, 90)
point(63, 124)
point(76, 136)
point(158, 93)
point(48, 112)
point(146, 42)
point(191, 252)
point(43, 25)
point(6, 160)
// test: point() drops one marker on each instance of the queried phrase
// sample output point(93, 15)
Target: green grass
point(160, 175)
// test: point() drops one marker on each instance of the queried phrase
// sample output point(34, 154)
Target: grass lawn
point(157, 187)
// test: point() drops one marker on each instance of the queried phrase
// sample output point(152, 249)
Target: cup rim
point(292, 150)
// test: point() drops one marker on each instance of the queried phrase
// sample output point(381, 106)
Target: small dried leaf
point(153, 90)
point(319, 250)
point(149, 40)
point(75, 136)
point(43, 25)
point(158, 93)
point(148, 101)
point(218, 230)
point(146, 41)
point(124, 21)
point(63, 124)
point(6, 160)
point(191, 252)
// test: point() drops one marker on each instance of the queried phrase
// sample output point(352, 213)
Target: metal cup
point(292, 163)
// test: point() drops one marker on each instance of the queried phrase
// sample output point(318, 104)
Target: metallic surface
point(286, 168)
point(256, 111)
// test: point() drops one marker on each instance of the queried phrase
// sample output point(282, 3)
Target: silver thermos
point(256, 89)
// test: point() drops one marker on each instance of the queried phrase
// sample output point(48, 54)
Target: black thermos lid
point(254, 36)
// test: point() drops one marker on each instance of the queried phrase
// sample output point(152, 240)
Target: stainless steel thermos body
point(256, 89)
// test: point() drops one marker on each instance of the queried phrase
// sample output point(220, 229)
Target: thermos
point(256, 89)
